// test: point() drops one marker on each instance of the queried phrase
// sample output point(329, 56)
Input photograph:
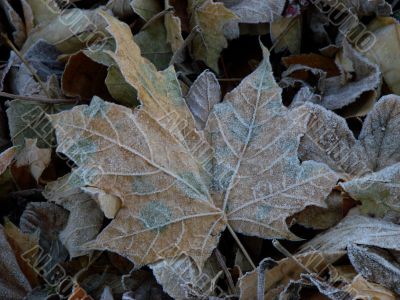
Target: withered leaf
point(36, 158)
point(385, 32)
point(286, 270)
point(159, 193)
point(158, 91)
point(369, 290)
point(85, 218)
point(329, 140)
point(13, 283)
point(181, 277)
point(253, 11)
point(260, 188)
point(211, 17)
point(357, 229)
point(167, 207)
point(6, 157)
point(14, 20)
point(202, 96)
point(376, 265)
point(28, 119)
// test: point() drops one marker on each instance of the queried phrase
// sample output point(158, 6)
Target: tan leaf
point(386, 32)
point(109, 204)
point(158, 91)
point(36, 158)
point(167, 208)
point(160, 193)
point(363, 289)
point(211, 17)
point(288, 30)
point(286, 270)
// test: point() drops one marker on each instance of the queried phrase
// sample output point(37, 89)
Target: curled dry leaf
point(286, 271)
point(357, 229)
point(364, 289)
point(167, 207)
point(376, 265)
point(354, 91)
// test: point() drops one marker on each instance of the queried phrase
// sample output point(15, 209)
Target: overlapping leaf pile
point(160, 149)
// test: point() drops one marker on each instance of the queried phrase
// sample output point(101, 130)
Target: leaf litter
point(199, 149)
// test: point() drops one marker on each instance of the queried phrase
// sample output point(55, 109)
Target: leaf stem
point(25, 62)
point(38, 99)
point(239, 243)
point(156, 16)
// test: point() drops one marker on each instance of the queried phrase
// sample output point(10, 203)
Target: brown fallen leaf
point(203, 94)
point(167, 205)
point(315, 61)
point(211, 17)
point(383, 50)
point(84, 78)
point(286, 270)
point(357, 229)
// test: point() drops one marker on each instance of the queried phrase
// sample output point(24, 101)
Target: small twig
point(239, 243)
point(230, 79)
point(38, 99)
point(196, 29)
point(25, 62)
point(156, 16)
point(228, 275)
point(286, 253)
point(283, 33)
